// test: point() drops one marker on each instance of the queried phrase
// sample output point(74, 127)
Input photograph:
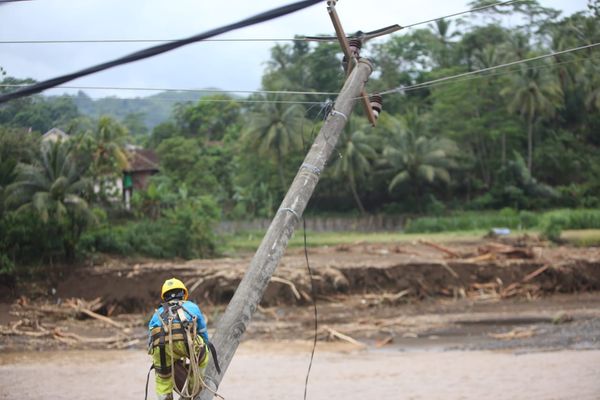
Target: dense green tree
point(414, 159)
point(275, 130)
point(55, 189)
point(210, 118)
point(534, 94)
point(356, 150)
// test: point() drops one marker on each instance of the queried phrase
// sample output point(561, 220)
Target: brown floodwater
point(277, 371)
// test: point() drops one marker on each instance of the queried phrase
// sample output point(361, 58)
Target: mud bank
point(420, 271)
point(277, 371)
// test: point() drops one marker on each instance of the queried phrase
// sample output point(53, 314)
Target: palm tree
point(356, 149)
point(54, 188)
point(275, 130)
point(105, 147)
point(442, 45)
point(414, 157)
point(109, 145)
point(535, 94)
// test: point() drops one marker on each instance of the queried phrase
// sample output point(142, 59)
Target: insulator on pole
point(354, 45)
point(376, 104)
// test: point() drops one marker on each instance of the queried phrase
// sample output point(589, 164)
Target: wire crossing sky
point(156, 50)
point(235, 60)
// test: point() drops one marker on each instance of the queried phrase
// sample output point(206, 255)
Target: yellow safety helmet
point(171, 284)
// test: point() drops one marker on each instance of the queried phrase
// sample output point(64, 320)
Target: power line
point(452, 77)
point(504, 3)
point(277, 92)
point(158, 49)
point(147, 40)
point(297, 39)
point(501, 73)
point(159, 89)
point(465, 76)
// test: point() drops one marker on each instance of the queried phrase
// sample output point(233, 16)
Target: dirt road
point(277, 371)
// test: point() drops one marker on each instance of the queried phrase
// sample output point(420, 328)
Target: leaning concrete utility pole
point(246, 299)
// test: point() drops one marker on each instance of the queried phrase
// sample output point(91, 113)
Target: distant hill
point(153, 109)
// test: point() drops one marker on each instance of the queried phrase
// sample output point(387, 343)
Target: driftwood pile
point(32, 324)
point(495, 289)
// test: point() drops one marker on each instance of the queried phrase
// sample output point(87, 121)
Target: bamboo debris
point(120, 340)
point(441, 248)
point(70, 308)
point(333, 334)
point(288, 283)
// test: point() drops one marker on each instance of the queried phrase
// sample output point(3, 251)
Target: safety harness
point(176, 326)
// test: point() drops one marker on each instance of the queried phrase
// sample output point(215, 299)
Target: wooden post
point(247, 296)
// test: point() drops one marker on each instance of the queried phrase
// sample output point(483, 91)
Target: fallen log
point(440, 248)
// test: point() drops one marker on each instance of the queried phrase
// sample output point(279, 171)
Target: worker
point(178, 333)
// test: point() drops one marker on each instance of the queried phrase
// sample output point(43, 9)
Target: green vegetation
point(249, 241)
point(499, 149)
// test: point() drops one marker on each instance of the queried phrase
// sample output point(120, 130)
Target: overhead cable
point(479, 71)
point(504, 3)
point(159, 89)
point(496, 74)
point(158, 49)
point(299, 39)
point(296, 39)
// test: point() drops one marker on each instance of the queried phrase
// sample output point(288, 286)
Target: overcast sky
point(225, 65)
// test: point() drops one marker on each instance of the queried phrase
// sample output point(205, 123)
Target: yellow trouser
point(164, 381)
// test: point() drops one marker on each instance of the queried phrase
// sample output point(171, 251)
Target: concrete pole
point(246, 299)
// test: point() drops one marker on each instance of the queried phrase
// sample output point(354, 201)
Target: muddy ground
point(514, 318)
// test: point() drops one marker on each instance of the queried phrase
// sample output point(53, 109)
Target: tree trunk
point(530, 143)
point(503, 149)
point(355, 194)
point(280, 171)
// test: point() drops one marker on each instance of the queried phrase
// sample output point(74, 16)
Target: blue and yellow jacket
point(191, 310)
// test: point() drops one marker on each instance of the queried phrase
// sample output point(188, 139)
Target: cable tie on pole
point(336, 112)
point(312, 168)
point(292, 211)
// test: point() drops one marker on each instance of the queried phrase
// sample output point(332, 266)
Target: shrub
point(185, 231)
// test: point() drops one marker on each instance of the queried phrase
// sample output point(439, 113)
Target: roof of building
point(143, 160)
point(54, 134)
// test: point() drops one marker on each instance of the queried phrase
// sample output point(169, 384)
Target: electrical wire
point(316, 315)
point(504, 3)
point(501, 73)
point(148, 40)
point(313, 291)
point(451, 79)
point(158, 49)
point(479, 71)
point(297, 39)
point(159, 89)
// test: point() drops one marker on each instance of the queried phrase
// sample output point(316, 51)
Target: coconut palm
point(54, 188)
point(104, 146)
point(275, 130)
point(535, 94)
point(412, 157)
point(356, 150)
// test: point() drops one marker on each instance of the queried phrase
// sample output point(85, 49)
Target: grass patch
point(582, 238)
point(249, 241)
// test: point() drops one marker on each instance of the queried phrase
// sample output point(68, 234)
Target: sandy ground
point(277, 371)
